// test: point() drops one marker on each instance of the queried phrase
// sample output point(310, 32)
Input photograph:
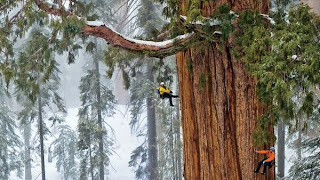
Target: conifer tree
point(40, 76)
point(64, 149)
point(98, 102)
point(307, 167)
point(10, 144)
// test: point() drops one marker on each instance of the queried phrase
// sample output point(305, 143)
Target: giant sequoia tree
point(226, 103)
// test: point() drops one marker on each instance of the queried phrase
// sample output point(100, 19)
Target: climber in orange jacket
point(266, 161)
point(164, 92)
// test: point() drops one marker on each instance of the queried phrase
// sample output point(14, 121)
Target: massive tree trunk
point(218, 117)
point(179, 144)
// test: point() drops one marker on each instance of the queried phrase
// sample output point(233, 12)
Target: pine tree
point(10, 144)
point(307, 167)
point(41, 78)
point(64, 149)
point(97, 103)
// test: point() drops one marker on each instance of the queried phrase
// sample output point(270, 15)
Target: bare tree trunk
point(83, 173)
point(27, 154)
point(281, 148)
point(43, 170)
point(91, 160)
point(172, 150)
point(299, 140)
point(152, 133)
point(100, 126)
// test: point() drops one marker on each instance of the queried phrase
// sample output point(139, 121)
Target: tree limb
point(155, 49)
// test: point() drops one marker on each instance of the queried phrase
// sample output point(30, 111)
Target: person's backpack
point(160, 95)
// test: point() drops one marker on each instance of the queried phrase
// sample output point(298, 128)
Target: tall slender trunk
point(43, 170)
point(218, 119)
point(83, 167)
point(299, 140)
point(172, 150)
point(179, 144)
point(98, 91)
point(281, 148)
point(27, 148)
point(152, 133)
point(91, 160)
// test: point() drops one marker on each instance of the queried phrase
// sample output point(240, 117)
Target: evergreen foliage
point(283, 58)
point(169, 141)
point(37, 78)
point(307, 167)
point(64, 149)
point(10, 144)
point(97, 101)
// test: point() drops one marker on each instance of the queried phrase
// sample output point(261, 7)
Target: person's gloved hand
point(263, 162)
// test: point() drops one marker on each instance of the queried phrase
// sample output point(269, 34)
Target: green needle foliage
point(65, 150)
point(10, 144)
point(284, 59)
point(307, 167)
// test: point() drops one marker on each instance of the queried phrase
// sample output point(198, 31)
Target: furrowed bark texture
point(219, 110)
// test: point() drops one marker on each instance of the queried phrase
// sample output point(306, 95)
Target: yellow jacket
point(163, 90)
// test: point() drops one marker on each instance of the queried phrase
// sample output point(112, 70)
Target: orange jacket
point(270, 154)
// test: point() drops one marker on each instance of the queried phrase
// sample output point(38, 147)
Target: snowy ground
point(125, 144)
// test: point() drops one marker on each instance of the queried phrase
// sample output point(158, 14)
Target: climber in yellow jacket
point(166, 93)
point(266, 161)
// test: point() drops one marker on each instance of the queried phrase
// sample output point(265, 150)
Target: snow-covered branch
point(212, 22)
point(156, 49)
point(268, 18)
point(99, 29)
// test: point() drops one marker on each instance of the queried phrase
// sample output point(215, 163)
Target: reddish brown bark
point(119, 41)
point(218, 119)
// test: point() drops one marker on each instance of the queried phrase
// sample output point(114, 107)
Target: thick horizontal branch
point(158, 49)
point(98, 29)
